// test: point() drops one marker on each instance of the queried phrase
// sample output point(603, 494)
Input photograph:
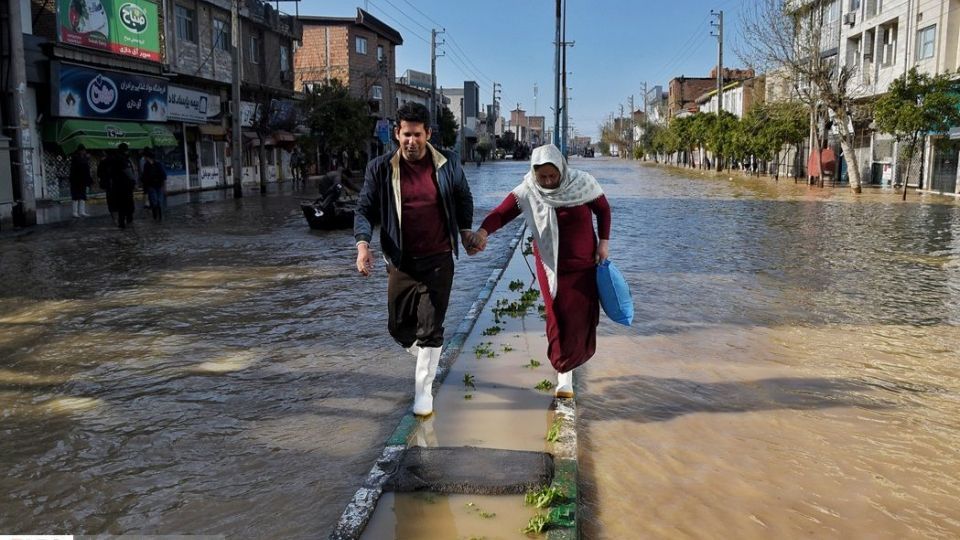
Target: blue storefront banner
point(89, 93)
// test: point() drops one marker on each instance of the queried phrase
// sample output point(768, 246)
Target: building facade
point(360, 52)
point(152, 74)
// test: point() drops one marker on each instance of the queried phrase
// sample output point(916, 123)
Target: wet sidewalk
point(497, 394)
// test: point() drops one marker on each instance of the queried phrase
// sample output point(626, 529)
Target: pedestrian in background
point(420, 197)
point(558, 204)
point(80, 180)
point(154, 178)
point(122, 183)
point(105, 175)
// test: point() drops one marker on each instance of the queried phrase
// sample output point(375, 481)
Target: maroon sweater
point(423, 228)
point(578, 244)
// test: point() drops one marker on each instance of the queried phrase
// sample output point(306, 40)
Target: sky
point(618, 45)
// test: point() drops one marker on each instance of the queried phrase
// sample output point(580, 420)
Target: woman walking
point(558, 204)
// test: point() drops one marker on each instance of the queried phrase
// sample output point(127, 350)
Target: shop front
point(944, 164)
point(198, 159)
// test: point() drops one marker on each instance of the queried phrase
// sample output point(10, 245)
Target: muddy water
point(226, 372)
point(792, 370)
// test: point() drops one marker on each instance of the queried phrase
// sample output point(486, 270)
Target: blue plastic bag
point(614, 293)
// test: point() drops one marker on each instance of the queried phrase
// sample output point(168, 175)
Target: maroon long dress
point(572, 316)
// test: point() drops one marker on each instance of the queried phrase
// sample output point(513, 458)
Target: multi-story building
point(684, 91)
point(882, 40)
point(738, 97)
point(151, 75)
point(360, 52)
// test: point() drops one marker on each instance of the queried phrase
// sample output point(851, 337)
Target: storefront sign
point(185, 105)
point(90, 93)
point(249, 113)
point(283, 114)
point(124, 27)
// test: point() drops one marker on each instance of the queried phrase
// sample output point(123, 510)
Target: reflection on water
point(798, 374)
point(226, 372)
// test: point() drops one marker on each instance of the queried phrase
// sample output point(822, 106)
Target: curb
point(565, 468)
point(358, 512)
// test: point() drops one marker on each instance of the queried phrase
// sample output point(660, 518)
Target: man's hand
point(469, 241)
point(603, 251)
point(479, 242)
point(364, 259)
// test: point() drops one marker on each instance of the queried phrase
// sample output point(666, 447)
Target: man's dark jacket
point(379, 198)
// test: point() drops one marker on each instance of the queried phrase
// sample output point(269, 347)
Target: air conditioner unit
point(850, 18)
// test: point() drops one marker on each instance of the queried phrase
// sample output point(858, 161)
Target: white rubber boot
point(564, 385)
point(83, 209)
point(76, 209)
point(426, 372)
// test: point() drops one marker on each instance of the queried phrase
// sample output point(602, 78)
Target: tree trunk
point(853, 168)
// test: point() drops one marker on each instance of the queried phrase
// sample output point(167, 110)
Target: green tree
point(337, 121)
point(448, 128)
point(917, 103)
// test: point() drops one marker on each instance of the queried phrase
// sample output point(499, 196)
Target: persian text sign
point(185, 105)
point(90, 93)
point(124, 27)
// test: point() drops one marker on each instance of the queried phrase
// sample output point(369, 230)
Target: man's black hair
point(415, 113)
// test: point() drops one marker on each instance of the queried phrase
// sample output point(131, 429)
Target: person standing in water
point(558, 204)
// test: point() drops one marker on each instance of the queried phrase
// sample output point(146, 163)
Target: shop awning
point(160, 136)
point(213, 130)
point(250, 137)
point(95, 135)
point(283, 136)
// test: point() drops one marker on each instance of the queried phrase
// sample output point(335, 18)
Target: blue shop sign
point(89, 93)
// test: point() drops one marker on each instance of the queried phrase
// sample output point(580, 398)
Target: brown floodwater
point(792, 370)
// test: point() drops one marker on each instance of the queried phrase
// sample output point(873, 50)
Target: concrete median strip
point(503, 388)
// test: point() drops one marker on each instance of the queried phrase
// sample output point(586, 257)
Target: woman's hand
point(479, 242)
point(603, 251)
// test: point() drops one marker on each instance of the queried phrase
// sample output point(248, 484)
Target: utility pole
point(25, 206)
point(492, 122)
point(556, 74)
point(434, 108)
point(566, 102)
point(620, 138)
point(630, 123)
point(719, 35)
point(236, 143)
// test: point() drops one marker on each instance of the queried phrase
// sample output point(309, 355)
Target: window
point(379, 53)
point(888, 47)
point(376, 92)
point(185, 28)
point(221, 35)
point(254, 50)
point(854, 5)
point(284, 58)
point(926, 38)
point(361, 45)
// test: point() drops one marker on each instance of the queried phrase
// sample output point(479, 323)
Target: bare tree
point(789, 38)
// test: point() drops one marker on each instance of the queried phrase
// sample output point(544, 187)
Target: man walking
point(420, 197)
point(154, 178)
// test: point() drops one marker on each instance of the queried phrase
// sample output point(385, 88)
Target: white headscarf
point(539, 204)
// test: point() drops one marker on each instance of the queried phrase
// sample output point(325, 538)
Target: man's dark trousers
point(417, 295)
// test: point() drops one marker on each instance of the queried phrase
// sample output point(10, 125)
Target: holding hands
point(474, 242)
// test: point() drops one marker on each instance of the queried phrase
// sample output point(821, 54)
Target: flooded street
point(226, 372)
point(791, 371)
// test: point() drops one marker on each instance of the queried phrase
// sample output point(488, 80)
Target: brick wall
point(311, 59)
point(359, 72)
point(685, 91)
